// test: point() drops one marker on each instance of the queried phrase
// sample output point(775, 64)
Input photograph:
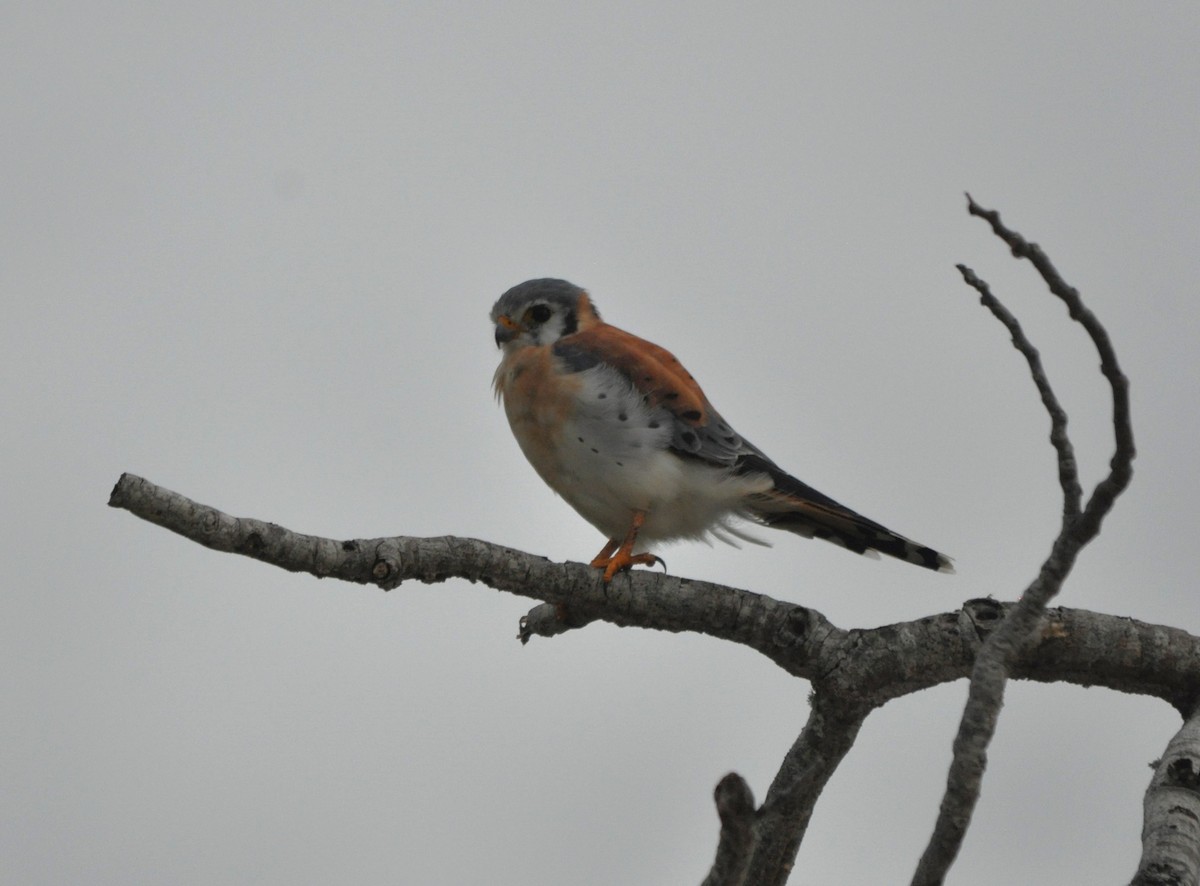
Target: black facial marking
point(688, 437)
point(691, 415)
point(621, 416)
point(576, 358)
point(602, 396)
point(653, 425)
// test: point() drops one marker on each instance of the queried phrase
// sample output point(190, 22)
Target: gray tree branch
point(852, 671)
point(998, 655)
point(735, 808)
point(1171, 833)
point(871, 666)
point(827, 737)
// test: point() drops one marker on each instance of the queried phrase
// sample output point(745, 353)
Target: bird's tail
point(799, 508)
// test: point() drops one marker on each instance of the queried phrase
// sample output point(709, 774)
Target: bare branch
point(735, 807)
point(1068, 470)
point(1171, 833)
point(785, 633)
point(1121, 464)
point(871, 666)
point(992, 666)
point(827, 737)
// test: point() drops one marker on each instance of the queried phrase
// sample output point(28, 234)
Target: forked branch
point(995, 661)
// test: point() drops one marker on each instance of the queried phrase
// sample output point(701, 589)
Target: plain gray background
point(249, 251)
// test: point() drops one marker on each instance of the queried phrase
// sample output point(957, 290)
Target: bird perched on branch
point(618, 428)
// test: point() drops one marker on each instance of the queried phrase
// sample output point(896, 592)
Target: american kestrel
point(618, 428)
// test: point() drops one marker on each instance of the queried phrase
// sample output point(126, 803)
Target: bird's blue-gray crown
point(549, 290)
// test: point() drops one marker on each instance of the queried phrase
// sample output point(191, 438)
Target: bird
point(624, 434)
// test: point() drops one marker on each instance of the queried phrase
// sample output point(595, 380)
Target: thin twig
point(1068, 469)
point(1121, 464)
point(996, 658)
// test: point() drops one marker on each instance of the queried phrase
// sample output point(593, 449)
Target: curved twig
point(992, 666)
point(1068, 468)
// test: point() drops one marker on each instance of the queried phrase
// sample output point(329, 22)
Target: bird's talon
point(624, 561)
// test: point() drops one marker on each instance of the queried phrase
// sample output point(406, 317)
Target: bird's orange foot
point(623, 560)
point(617, 557)
point(602, 559)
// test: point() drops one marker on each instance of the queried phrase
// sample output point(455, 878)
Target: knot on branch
point(795, 627)
point(386, 570)
point(986, 615)
point(1183, 773)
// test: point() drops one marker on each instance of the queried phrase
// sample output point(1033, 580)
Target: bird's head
point(540, 312)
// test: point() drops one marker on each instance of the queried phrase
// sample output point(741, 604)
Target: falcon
point(617, 427)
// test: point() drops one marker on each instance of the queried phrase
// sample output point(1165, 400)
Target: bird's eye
point(539, 313)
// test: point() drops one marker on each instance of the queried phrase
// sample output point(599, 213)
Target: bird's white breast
point(599, 443)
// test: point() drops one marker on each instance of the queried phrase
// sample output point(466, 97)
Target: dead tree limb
point(990, 674)
point(735, 808)
point(874, 665)
point(1171, 833)
point(782, 822)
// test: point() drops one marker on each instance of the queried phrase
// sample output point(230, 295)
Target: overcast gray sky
point(249, 252)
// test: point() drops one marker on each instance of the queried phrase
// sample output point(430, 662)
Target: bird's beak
point(506, 330)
